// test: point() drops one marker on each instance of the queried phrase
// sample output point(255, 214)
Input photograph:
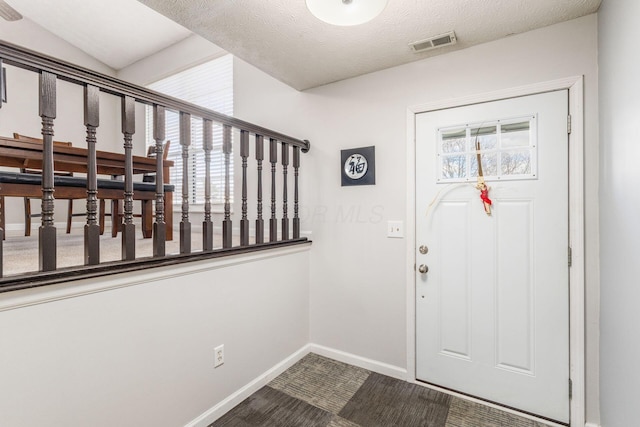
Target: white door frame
point(576, 224)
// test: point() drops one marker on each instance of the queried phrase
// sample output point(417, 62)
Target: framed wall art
point(358, 166)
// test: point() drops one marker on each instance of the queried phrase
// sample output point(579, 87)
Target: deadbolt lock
point(423, 249)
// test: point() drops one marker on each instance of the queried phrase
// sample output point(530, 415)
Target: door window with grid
point(507, 150)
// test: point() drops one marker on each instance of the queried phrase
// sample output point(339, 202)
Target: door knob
point(423, 268)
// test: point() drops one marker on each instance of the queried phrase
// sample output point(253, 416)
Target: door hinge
point(569, 256)
point(570, 388)
point(569, 124)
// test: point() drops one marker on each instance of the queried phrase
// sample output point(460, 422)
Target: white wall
point(619, 68)
point(358, 276)
point(142, 354)
point(28, 34)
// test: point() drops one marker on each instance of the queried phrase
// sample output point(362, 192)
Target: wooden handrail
point(34, 61)
point(94, 162)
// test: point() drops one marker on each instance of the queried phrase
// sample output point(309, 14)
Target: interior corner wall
point(358, 275)
point(619, 68)
point(187, 53)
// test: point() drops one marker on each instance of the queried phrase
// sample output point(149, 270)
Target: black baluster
point(259, 158)
point(2, 224)
point(2, 206)
point(207, 225)
point(285, 218)
point(91, 228)
point(159, 226)
point(185, 141)
point(296, 166)
point(226, 223)
point(47, 233)
point(128, 111)
point(244, 222)
point(273, 159)
point(2, 89)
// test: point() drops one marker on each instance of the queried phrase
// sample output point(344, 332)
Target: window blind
point(209, 85)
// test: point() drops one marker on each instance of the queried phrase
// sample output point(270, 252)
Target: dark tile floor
point(321, 392)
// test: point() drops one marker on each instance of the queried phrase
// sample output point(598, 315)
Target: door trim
point(576, 224)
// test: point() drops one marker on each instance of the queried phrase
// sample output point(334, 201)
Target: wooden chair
point(27, 200)
point(151, 152)
point(116, 205)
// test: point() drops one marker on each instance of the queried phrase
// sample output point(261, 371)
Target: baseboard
point(372, 365)
point(361, 362)
point(227, 404)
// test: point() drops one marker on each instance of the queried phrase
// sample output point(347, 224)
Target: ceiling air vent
point(434, 42)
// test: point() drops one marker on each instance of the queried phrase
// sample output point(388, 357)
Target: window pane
point(516, 162)
point(454, 141)
point(489, 165)
point(486, 137)
point(453, 166)
point(515, 135)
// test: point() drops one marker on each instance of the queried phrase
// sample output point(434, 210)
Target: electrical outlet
point(219, 355)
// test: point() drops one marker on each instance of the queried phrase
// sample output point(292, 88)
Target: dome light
point(346, 12)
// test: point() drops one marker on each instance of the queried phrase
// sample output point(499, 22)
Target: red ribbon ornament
point(484, 195)
point(484, 190)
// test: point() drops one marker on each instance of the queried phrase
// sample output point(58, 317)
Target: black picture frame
point(351, 168)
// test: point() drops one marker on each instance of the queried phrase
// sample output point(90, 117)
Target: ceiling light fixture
point(346, 12)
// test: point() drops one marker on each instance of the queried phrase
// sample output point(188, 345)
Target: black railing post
point(2, 205)
point(273, 159)
point(285, 218)
point(185, 225)
point(91, 228)
point(159, 226)
point(2, 223)
point(47, 259)
point(207, 225)
point(61, 157)
point(259, 159)
point(227, 237)
point(296, 218)
point(244, 222)
point(128, 227)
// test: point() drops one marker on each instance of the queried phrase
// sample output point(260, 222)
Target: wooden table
point(25, 154)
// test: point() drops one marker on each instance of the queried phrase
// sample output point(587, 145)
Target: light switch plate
point(395, 229)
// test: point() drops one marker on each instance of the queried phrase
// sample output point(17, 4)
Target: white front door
point(492, 311)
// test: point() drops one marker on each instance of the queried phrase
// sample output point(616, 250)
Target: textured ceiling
point(116, 32)
point(282, 38)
